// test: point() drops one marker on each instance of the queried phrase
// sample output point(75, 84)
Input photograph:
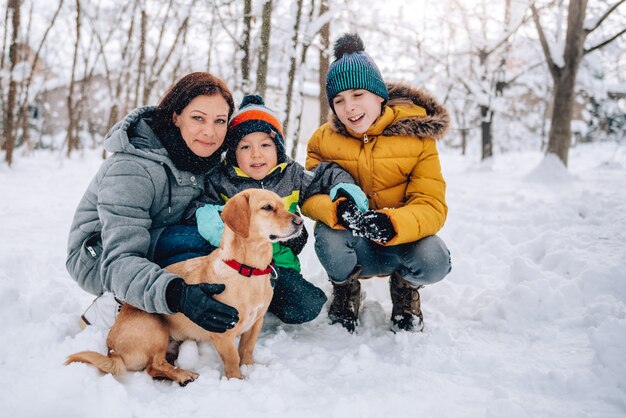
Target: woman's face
point(357, 109)
point(203, 123)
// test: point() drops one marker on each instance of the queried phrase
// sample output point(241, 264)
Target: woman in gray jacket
point(128, 219)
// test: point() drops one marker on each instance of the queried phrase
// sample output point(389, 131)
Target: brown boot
point(344, 308)
point(406, 314)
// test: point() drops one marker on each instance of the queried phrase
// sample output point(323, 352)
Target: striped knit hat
point(353, 68)
point(254, 116)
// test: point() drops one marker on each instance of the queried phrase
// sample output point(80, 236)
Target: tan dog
point(138, 340)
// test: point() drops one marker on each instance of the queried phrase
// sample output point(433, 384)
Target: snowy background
point(530, 323)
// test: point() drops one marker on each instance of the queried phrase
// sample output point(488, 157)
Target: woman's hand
point(196, 302)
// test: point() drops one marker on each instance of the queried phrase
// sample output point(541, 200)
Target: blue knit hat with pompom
point(353, 68)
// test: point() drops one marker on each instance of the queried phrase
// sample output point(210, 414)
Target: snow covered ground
point(530, 323)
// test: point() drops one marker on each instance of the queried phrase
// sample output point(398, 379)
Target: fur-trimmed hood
point(434, 125)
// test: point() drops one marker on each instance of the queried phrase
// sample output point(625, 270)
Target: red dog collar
point(248, 271)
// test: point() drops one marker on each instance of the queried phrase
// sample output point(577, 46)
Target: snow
point(531, 322)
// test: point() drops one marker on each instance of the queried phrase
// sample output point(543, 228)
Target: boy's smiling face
point(256, 154)
point(357, 109)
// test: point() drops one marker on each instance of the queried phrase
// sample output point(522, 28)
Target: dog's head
point(258, 212)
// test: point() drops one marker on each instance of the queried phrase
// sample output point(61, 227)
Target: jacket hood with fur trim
point(434, 125)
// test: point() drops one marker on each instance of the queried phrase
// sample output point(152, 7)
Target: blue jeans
point(178, 243)
point(422, 262)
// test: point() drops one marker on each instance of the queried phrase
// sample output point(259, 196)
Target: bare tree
point(564, 75)
point(488, 79)
point(264, 50)
point(245, 60)
point(292, 66)
point(72, 135)
point(309, 34)
point(324, 61)
point(23, 106)
point(141, 62)
point(15, 6)
point(3, 112)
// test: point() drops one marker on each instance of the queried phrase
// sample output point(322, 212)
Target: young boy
point(255, 158)
point(385, 136)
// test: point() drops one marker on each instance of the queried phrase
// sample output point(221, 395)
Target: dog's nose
point(297, 220)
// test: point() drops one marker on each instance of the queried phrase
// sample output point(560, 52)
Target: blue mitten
point(210, 223)
point(352, 192)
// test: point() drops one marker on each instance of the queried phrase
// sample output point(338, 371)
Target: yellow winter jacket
point(395, 162)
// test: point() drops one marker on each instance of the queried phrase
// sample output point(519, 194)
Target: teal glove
point(352, 192)
point(210, 223)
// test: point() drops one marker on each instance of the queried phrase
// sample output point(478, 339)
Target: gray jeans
point(422, 262)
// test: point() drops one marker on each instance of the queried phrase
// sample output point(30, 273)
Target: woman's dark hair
point(184, 91)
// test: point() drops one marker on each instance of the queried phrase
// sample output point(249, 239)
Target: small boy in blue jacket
point(256, 158)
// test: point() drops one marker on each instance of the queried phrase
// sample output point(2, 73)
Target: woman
point(126, 225)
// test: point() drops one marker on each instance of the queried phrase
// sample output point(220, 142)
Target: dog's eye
point(268, 208)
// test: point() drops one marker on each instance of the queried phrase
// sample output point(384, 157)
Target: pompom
point(348, 44)
point(251, 99)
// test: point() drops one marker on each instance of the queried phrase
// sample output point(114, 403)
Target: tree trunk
point(141, 64)
point(122, 80)
point(298, 121)
point(485, 127)
point(72, 138)
point(3, 112)
point(292, 68)
point(245, 60)
point(560, 137)
point(24, 114)
point(10, 134)
point(264, 50)
point(324, 63)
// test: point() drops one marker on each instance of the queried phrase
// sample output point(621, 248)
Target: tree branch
point(554, 69)
point(232, 37)
point(507, 36)
point(604, 43)
point(606, 15)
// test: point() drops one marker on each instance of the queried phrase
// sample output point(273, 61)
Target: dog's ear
point(236, 214)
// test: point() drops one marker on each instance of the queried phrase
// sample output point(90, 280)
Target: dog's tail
point(113, 363)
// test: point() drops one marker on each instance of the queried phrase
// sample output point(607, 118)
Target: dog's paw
point(246, 360)
point(184, 377)
point(234, 375)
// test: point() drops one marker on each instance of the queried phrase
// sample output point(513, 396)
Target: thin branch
point(39, 48)
point(525, 71)
point(102, 43)
point(604, 43)
point(605, 15)
point(507, 36)
point(554, 69)
point(181, 29)
point(232, 37)
point(166, 22)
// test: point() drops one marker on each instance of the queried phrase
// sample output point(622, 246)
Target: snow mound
point(551, 171)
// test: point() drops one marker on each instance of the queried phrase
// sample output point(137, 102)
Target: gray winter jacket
point(136, 193)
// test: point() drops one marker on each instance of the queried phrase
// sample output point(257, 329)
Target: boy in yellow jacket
point(385, 136)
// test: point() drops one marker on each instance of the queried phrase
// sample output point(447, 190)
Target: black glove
point(297, 244)
point(376, 226)
point(349, 216)
point(196, 302)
